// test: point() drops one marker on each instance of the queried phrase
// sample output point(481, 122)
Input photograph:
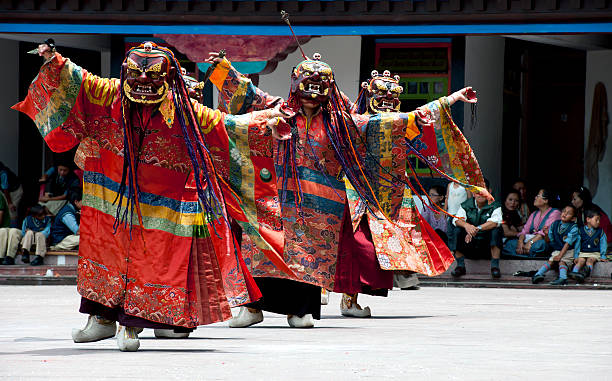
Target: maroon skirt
point(357, 268)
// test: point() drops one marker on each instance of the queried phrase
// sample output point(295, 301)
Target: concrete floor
point(430, 334)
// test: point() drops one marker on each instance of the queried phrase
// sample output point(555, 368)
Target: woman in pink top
point(530, 241)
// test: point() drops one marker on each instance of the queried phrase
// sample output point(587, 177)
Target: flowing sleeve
point(237, 93)
point(63, 100)
point(241, 148)
point(443, 147)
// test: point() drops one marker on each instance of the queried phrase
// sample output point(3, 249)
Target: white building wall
point(343, 53)
point(9, 119)
point(484, 71)
point(598, 70)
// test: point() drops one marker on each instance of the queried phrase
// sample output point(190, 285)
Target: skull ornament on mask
point(147, 73)
point(311, 81)
point(382, 92)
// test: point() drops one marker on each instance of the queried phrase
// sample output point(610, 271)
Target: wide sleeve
point(237, 93)
point(64, 99)
point(443, 147)
point(241, 147)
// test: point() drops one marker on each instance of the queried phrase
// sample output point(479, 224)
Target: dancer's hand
point(213, 58)
point(281, 130)
point(466, 95)
point(45, 51)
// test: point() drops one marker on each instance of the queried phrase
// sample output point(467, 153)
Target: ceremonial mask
point(311, 80)
point(147, 73)
point(382, 92)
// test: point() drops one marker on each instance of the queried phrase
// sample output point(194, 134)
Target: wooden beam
point(527, 5)
point(503, 5)
point(456, 5)
point(118, 5)
point(51, 4)
point(478, 5)
point(431, 5)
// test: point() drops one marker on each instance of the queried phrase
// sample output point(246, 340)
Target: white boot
point(170, 334)
point(96, 329)
point(350, 308)
point(307, 321)
point(246, 318)
point(324, 296)
point(127, 339)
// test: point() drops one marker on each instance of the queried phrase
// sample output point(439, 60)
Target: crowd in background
point(518, 228)
point(52, 223)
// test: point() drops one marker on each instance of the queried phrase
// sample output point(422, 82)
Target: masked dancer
point(156, 250)
point(321, 144)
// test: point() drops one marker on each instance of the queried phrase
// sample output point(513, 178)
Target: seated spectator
point(455, 196)
point(512, 223)
point(35, 230)
point(523, 209)
point(591, 246)
point(65, 227)
point(561, 237)
point(530, 242)
point(436, 220)
point(582, 200)
point(8, 244)
point(12, 190)
point(479, 234)
point(60, 183)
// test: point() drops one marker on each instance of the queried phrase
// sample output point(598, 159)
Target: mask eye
point(307, 73)
point(324, 77)
point(154, 75)
point(133, 73)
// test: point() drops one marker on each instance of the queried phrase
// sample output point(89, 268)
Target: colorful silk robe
point(175, 268)
point(403, 240)
point(311, 240)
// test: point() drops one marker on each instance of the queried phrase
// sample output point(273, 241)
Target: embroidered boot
point(350, 308)
point(306, 321)
point(96, 329)
point(127, 339)
point(170, 334)
point(246, 318)
point(324, 296)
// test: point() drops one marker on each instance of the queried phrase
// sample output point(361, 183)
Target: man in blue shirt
point(65, 228)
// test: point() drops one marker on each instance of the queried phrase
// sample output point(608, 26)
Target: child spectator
point(582, 200)
point(530, 242)
point(36, 229)
point(65, 227)
point(513, 223)
point(437, 221)
point(561, 236)
point(12, 190)
point(591, 245)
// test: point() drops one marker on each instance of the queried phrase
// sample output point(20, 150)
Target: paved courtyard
point(430, 334)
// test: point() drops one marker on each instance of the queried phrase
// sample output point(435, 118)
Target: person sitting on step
point(591, 246)
point(35, 230)
point(479, 234)
point(65, 227)
point(561, 237)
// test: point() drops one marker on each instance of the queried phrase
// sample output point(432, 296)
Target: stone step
point(44, 270)
point(64, 257)
point(510, 266)
point(36, 280)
